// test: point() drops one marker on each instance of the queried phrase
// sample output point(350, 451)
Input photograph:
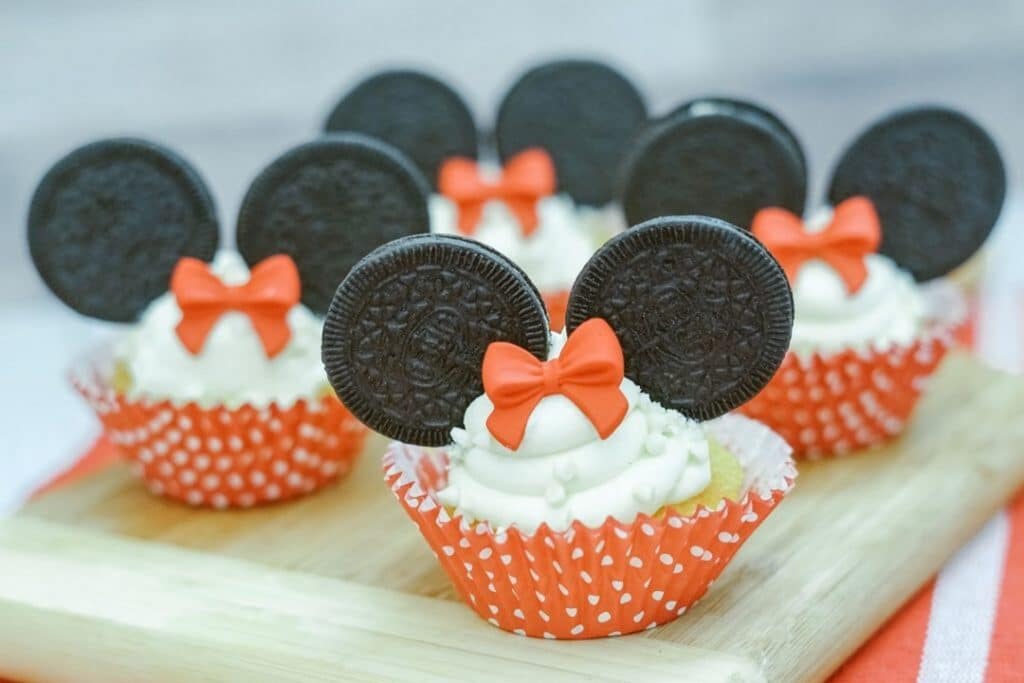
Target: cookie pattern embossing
point(405, 336)
point(702, 312)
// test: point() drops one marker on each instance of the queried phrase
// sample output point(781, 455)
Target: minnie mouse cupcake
point(911, 199)
point(579, 486)
point(561, 131)
point(216, 391)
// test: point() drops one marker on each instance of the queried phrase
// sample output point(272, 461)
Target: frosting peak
point(232, 367)
point(887, 309)
point(843, 242)
point(563, 471)
point(526, 177)
point(552, 255)
point(587, 371)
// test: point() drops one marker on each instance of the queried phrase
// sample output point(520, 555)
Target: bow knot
point(552, 376)
point(853, 233)
point(588, 372)
point(527, 177)
point(273, 288)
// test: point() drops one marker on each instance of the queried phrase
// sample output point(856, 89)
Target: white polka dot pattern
point(221, 458)
point(583, 582)
point(831, 404)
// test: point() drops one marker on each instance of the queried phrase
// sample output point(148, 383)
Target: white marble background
point(232, 84)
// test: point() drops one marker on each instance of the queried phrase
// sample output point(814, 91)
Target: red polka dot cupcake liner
point(832, 404)
point(593, 582)
point(225, 457)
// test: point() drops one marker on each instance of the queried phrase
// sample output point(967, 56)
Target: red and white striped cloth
point(967, 624)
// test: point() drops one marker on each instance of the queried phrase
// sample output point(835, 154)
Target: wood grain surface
point(856, 538)
point(93, 608)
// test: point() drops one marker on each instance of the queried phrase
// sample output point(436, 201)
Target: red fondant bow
point(854, 233)
point(273, 288)
point(526, 178)
point(588, 372)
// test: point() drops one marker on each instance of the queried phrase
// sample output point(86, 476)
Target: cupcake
point(572, 485)
point(546, 201)
point(214, 389)
point(912, 198)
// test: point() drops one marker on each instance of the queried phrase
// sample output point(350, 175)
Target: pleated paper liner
point(593, 582)
point(835, 403)
point(219, 456)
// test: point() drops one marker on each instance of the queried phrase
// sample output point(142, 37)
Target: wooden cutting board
point(104, 579)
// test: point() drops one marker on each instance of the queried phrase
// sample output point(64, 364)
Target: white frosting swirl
point(232, 367)
point(563, 471)
point(888, 309)
point(553, 255)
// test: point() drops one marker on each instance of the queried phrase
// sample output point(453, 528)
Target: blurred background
point(232, 84)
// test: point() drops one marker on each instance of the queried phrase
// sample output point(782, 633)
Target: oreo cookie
point(583, 113)
point(703, 312)
point(750, 111)
point(406, 333)
point(327, 203)
point(108, 223)
point(937, 181)
point(714, 157)
point(418, 114)
point(498, 255)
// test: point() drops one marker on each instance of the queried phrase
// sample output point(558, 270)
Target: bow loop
point(272, 290)
point(853, 233)
point(527, 177)
point(588, 372)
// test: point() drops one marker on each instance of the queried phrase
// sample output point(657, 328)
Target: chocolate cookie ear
point(583, 113)
point(109, 221)
point(416, 113)
point(327, 204)
point(406, 333)
point(703, 312)
point(715, 157)
point(937, 181)
point(750, 111)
